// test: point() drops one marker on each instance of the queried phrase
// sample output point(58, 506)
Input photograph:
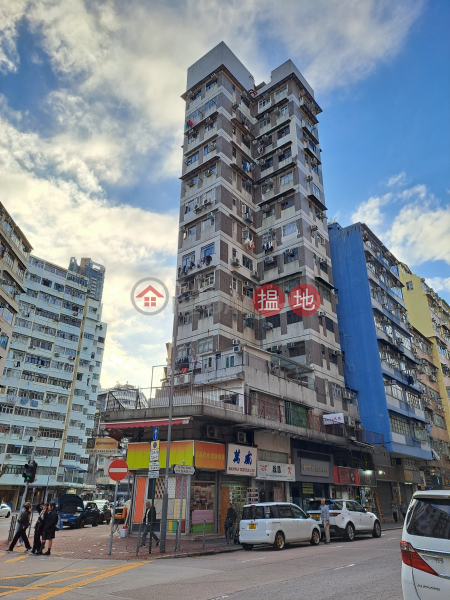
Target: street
point(369, 569)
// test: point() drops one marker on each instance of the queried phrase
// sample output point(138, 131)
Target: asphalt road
point(366, 569)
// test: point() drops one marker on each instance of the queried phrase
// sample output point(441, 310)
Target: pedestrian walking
point(148, 521)
point(38, 528)
point(49, 529)
point(403, 510)
point(394, 511)
point(230, 521)
point(325, 517)
point(24, 522)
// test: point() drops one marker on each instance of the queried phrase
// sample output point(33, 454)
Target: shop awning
point(146, 423)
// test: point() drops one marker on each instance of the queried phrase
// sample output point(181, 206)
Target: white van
point(425, 547)
point(278, 524)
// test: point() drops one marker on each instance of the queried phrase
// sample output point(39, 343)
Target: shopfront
point(235, 484)
point(365, 493)
point(346, 483)
point(273, 479)
point(313, 477)
point(387, 489)
point(204, 498)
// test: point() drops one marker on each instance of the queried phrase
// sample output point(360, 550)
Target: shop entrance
point(232, 490)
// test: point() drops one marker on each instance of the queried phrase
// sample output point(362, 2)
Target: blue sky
point(91, 128)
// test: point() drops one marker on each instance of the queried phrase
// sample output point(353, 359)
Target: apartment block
point(51, 380)
point(260, 406)
point(430, 314)
point(376, 338)
point(94, 273)
point(14, 253)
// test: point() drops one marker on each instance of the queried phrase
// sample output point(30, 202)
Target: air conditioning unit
point(235, 106)
point(314, 228)
point(275, 348)
point(265, 207)
point(267, 326)
point(56, 354)
point(249, 316)
point(322, 313)
point(241, 437)
point(269, 181)
point(235, 342)
point(291, 345)
point(248, 219)
point(269, 259)
point(235, 262)
point(197, 207)
point(207, 201)
point(309, 178)
point(346, 394)
point(349, 421)
point(212, 431)
point(324, 261)
point(289, 252)
point(208, 173)
point(190, 182)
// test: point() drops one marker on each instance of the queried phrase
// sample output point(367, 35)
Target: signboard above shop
point(333, 418)
point(314, 468)
point(275, 471)
point(101, 446)
point(241, 460)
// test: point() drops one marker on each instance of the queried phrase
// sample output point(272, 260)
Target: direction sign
point(155, 433)
point(153, 474)
point(154, 455)
point(153, 466)
point(183, 470)
point(118, 470)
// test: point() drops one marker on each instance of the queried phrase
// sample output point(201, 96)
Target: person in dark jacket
point(149, 521)
point(38, 528)
point(49, 529)
point(230, 520)
point(23, 522)
point(394, 511)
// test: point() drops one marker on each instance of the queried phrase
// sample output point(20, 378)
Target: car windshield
point(315, 504)
point(430, 517)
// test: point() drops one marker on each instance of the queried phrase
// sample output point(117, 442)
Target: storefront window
point(202, 505)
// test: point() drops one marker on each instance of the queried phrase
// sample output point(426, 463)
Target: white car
point(5, 510)
point(347, 518)
point(425, 547)
point(278, 524)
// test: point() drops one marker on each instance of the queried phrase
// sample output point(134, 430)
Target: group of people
point(44, 528)
point(403, 510)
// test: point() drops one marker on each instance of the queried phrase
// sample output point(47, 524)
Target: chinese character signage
point(304, 300)
point(367, 478)
point(268, 299)
point(101, 446)
point(334, 418)
point(241, 460)
point(209, 456)
point(346, 476)
point(275, 471)
point(314, 468)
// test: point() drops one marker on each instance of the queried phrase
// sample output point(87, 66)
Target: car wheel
point(81, 523)
point(349, 534)
point(95, 523)
point(279, 542)
point(315, 538)
point(247, 546)
point(376, 533)
point(8, 515)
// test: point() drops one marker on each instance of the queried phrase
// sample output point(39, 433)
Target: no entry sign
point(118, 470)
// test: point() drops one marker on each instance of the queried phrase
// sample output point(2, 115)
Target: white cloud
point(369, 212)
point(10, 15)
point(439, 284)
point(64, 218)
point(399, 179)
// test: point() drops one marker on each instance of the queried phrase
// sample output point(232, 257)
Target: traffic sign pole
point(117, 471)
point(113, 518)
point(152, 524)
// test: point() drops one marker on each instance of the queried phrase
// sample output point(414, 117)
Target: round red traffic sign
point(118, 470)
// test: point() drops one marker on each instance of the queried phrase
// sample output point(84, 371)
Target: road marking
point(16, 559)
point(336, 569)
point(110, 567)
point(249, 560)
point(391, 539)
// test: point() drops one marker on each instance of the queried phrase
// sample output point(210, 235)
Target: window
point(263, 123)
point(284, 110)
point(284, 511)
point(292, 256)
point(274, 320)
point(280, 92)
point(210, 125)
point(206, 312)
point(207, 251)
point(205, 345)
point(438, 420)
point(247, 263)
point(336, 390)
point(429, 517)
point(208, 280)
point(399, 425)
point(409, 286)
point(287, 203)
point(269, 212)
point(321, 239)
point(247, 187)
point(267, 164)
point(188, 259)
point(245, 141)
point(192, 137)
point(209, 148)
point(264, 102)
point(211, 84)
point(288, 177)
point(292, 318)
point(191, 231)
point(211, 104)
point(245, 101)
point(192, 159)
point(207, 223)
point(286, 154)
point(329, 324)
point(234, 284)
point(233, 152)
point(289, 228)
point(315, 190)
point(325, 294)
point(229, 362)
point(283, 132)
point(234, 176)
point(196, 95)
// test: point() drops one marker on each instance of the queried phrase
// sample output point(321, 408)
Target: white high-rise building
point(51, 380)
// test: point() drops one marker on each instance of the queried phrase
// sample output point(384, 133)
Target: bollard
point(139, 539)
point(204, 532)
point(178, 537)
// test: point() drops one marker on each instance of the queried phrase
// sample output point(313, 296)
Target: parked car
point(5, 510)
point(74, 513)
point(425, 546)
point(105, 511)
point(276, 523)
point(347, 518)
